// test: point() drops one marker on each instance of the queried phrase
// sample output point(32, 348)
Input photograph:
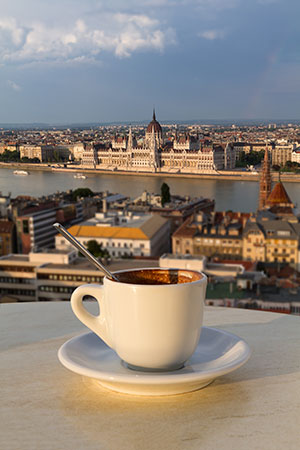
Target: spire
point(130, 141)
point(265, 181)
point(154, 117)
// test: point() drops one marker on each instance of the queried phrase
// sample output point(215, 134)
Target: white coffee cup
point(150, 326)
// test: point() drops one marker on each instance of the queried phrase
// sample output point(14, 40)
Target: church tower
point(265, 181)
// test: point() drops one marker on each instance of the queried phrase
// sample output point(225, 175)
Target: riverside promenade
point(232, 175)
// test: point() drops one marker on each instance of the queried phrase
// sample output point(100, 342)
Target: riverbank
point(236, 175)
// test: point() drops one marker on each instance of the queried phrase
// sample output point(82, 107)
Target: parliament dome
point(154, 125)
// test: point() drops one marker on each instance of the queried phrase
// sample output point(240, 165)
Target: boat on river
point(21, 172)
point(80, 176)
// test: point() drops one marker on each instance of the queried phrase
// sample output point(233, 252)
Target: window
point(284, 233)
point(25, 226)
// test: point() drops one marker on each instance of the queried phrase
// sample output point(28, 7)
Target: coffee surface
point(159, 277)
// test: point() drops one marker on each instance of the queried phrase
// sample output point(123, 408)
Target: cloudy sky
point(66, 61)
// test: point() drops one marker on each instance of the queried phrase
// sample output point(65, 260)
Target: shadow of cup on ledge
point(174, 421)
point(140, 421)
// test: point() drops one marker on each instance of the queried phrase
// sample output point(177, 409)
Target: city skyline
point(73, 62)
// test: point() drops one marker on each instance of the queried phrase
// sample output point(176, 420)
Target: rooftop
point(143, 229)
point(278, 196)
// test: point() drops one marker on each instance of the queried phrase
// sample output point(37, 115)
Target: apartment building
point(296, 155)
point(41, 152)
point(218, 235)
point(272, 241)
point(281, 153)
point(35, 226)
point(247, 147)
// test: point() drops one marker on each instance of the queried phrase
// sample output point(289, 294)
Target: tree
point(165, 194)
point(82, 192)
point(10, 156)
point(97, 250)
point(56, 156)
point(276, 167)
point(251, 158)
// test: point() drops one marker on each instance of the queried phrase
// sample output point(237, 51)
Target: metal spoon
point(84, 251)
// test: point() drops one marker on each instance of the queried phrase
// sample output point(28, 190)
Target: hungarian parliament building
point(186, 154)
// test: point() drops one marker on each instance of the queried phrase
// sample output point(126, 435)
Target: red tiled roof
point(186, 229)
point(278, 195)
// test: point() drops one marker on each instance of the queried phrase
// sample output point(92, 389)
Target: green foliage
point(56, 156)
point(276, 167)
point(8, 156)
point(97, 250)
point(82, 192)
point(14, 156)
point(25, 159)
point(291, 166)
point(250, 159)
point(165, 194)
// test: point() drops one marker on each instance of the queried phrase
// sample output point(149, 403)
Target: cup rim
point(201, 280)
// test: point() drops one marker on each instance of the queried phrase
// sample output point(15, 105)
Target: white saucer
point(217, 353)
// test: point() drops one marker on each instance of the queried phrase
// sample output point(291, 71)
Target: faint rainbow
point(258, 89)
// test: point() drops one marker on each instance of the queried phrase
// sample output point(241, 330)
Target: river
point(228, 194)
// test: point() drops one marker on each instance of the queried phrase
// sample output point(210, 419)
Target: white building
point(296, 155)
point(77, 150)
point(186, 154)
point(123, 234)
point(282, 152)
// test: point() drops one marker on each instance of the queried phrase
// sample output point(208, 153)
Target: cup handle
point(98, 324)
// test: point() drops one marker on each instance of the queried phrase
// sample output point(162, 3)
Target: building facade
point(296, 155)
point(33, 278)
point(281, 153)
point(217, 235)
point(7, 237)
point(123, 234)
point(35, 229)
point(40, 152)
point(271, 241)
point(185, 154)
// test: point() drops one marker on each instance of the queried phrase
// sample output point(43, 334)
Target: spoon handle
point(83, 250)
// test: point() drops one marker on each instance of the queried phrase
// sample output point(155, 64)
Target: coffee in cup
point(152, 318)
